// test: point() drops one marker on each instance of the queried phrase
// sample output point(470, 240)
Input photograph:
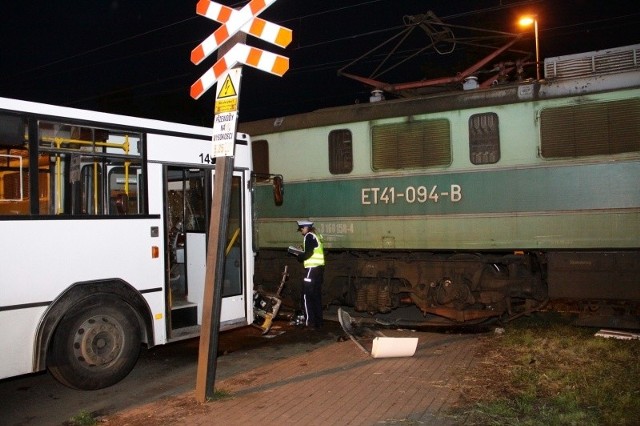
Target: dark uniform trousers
point(312, 295)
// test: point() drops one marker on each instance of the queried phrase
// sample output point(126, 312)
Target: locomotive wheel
point(95, 345)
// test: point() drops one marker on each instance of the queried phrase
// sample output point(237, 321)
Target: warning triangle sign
point(227, 89)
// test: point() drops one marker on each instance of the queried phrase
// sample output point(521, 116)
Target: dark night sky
point(132, 56)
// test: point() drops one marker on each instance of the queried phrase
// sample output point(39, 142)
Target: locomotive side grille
point(610, 61)
point(592, 129)
point(411, 145)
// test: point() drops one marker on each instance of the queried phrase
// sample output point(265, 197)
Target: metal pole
point(535, 29)
point(214, 274)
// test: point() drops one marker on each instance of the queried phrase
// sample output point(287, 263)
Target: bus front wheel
point(95, 345)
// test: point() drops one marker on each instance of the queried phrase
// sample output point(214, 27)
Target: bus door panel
point(188, 207)
point(196, 264)
point(186, 213)
point(233, 298)
point(233, 310)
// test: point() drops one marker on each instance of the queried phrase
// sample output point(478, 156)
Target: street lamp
point(525, 22)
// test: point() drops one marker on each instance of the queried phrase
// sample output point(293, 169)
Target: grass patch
point(83, 418)
point(543, 370)
point(219, 394)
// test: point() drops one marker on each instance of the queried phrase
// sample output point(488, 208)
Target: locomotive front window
point(603, 128)
point(484, 138)
point(411, 145)
point(340, 152)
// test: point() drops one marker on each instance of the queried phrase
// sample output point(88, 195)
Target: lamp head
point(525, 21)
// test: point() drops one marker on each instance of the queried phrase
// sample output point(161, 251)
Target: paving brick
point(336, 384)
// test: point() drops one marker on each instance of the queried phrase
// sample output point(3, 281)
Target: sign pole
point(208, 350)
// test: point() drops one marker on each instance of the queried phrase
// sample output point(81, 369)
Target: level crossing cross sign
point(232, 21)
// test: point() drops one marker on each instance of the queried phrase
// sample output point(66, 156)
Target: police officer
point(313, 261)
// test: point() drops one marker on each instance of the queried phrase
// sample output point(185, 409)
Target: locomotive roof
point(568, 75)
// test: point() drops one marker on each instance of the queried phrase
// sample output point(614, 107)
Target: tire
point(95, 345)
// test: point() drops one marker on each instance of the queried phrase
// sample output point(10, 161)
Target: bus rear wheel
point(95, 345)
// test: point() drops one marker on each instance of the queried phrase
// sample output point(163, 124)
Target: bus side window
point(123, 191)
point(121, 204)
point(89, 167)
point(14, 166)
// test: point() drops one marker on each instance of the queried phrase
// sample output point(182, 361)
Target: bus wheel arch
point(113, 313)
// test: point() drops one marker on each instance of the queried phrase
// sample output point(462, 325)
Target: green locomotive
point(471, 205)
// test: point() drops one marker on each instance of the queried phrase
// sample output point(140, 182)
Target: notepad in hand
point(294, 250)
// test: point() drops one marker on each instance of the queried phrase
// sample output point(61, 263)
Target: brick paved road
point(336, 384)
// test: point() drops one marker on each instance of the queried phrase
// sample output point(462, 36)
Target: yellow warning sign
point(227, 89)
point(228, 92)
point(226, 105)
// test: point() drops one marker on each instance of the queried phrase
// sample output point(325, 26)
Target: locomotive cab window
point(411, 145)
point(340, 152)
point(603, 128)
point(484, 138)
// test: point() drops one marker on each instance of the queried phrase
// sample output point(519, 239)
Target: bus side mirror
point(278, 190)
point(276, 180)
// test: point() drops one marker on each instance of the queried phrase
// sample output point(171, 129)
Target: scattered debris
point(616, 334)
point(347, 326)
point(383, 347)
point(273, 334)
point(389, 347)
point(266, 306)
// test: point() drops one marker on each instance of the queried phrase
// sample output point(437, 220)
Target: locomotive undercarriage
point(460, 288)
point(450, 289)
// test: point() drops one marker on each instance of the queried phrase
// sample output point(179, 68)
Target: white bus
point(103, 222)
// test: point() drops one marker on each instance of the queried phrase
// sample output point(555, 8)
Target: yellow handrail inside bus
point(58, 143)
point(58, 180)
point(127, 163)
point(95, 187)
point(58, 186)
point(234, 238)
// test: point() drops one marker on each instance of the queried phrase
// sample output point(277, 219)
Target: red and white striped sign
point(243, 54)
point(232, 20)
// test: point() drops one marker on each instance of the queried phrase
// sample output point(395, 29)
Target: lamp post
point(525, 22)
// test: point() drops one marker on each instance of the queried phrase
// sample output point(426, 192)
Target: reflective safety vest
point(317, 258)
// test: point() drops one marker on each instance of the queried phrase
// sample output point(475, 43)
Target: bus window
point(88, 171)
point(14, 166)
point(124, 197)
point(186, 199)
point(233, 251)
